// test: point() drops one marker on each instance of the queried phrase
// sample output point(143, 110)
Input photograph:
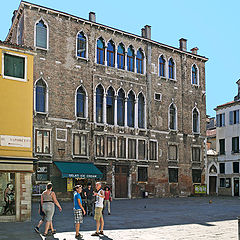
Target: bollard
point(238, 228)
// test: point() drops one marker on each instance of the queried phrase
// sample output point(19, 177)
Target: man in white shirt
point(98, 216)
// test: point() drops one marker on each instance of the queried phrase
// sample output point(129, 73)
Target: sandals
point(95, 234)
point(78, 236)
point(101, 233)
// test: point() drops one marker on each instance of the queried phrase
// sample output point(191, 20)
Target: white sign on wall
point(15, 141)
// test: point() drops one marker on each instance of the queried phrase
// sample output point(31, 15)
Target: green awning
point(78, 170)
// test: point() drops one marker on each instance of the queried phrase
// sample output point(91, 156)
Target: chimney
point(183, 44)
point(92, 17)
point(148, 31)
point(143, 32)
point(194, 50)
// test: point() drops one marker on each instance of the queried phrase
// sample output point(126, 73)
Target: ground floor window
point(222, 182)
point(7, 194)
point(103, 169)
point(173, 175)
point(142, 174)
point(196, 175)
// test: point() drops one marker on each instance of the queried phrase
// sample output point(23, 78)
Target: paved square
point(165, 219)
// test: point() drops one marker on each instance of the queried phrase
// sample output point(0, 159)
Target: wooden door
point(212, 185)
point(121, 181)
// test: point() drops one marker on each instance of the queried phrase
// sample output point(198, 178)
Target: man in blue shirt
point(78, 209)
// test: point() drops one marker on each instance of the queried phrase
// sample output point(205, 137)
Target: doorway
point(212, 185)
point(121, 181)
point(236, 187)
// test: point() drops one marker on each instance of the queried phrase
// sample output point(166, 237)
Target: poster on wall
point(200, 189)
point(69, 184)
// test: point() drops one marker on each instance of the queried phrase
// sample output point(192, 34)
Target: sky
point(212, 26)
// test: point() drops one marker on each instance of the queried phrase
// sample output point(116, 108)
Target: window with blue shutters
point(139, 61)
point(100, 51)
point(130, 59)
point(81, 45)
point(194, 75)
point(110, 101)
point(234, 117)
point(99, 104)
point(220, 120)
point(81, 102)
point(130, 109)
point(121, 56)
point(161, 67)
point(111, 54)
point(120, 107)
point(41, 91)
point(41, 35)
point(171, 68)
point(235, 144)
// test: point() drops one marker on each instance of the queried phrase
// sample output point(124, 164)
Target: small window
point(81, 102)
point(235, 167)
point(158, 97)
point(194, 75)
point(14, 66)
point(235, 145)
point(173, 175)
point(172, 152)
point(172, 117)
point(122, 147)
point(79, 145)
point(222, 167)
point(100, 146)
point(222, 182)
point(220, 120)
point(41, 35)
point(234, 117)
point(196, 175)
point(161, 66)
point(111, 147)
point(81, 45)
point(103, 170)
point(221, 146)
point(153, 150)
point(142, 174)
point(42, 141)
point(131, 148)
point(196, 151)
point(41, 96)
point(195, 119)
point(141, 149)
point(171, 72)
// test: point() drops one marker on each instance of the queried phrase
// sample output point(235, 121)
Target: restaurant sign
point(15, 141)
point(79, 175)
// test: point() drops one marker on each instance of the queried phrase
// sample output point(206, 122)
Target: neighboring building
point(16, 125)
point(227, 141)
point(134, 107)
point(212, 165)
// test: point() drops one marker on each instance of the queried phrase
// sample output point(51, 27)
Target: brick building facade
point(134, 107)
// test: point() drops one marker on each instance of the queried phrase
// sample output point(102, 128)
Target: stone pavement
point(163, 219)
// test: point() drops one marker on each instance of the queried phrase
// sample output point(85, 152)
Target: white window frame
point(197, 75)
point(59, 139)
point(105, 51)
point(145, 166)
point(152, 140)
point(86, 103)
point(104, 116)
point(87, 145)
point(144, 61)
point(146, 150)
point(198, 130)
point(174, 69)
point(46, 97)
point(51, 142)
point(25, 66)
point(176, 118)
point(85, 35)
point(35, 34)
point(165, 67)
point(200, 155)
point(145, 111)
point(177, 146)
point(158, 100)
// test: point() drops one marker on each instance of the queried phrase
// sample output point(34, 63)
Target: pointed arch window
point(139, 61)
point(172, 117)
point(194, 75)
point(120, 107)
point(171, 68)
point(81, 103)
point(195, 119)
point(81, 45)
point(110, 106)
point(41, 96)
point(99, 104)
point(111, 54)
point(161, 67)
point(130, 59)
point(100, 51)
point(41, 35)
point(121, 56)
point(130, 109)
point(141, 111)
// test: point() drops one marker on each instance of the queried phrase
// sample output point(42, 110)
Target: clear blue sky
point(211, 25)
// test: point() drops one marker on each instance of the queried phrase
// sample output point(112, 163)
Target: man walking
point(89, 194)
point(78, 210)
point(98, 209)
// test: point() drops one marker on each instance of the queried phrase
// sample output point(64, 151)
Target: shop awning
point(78, 170)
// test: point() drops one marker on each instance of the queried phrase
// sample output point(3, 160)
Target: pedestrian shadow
point(48, 237)
point(104, 237)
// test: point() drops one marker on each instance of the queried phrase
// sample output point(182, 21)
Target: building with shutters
point(16, 126)
point(134, 107)
point(227, 144)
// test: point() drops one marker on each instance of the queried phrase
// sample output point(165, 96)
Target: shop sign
point(15, 141)
point(200, 189)
point(78, 175)
point(69, 184)
point(42, 170)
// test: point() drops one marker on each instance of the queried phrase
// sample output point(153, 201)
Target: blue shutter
point(223, 119)
point(231, 117)
point(237, 116)
point(217, 120)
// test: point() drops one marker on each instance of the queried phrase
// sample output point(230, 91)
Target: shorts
point(78, 215)
point(98, 213)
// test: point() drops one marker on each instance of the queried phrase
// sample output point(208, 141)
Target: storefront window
point(7, 194)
